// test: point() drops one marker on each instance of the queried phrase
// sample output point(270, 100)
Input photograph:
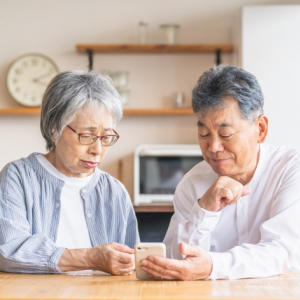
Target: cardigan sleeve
point(21, 251)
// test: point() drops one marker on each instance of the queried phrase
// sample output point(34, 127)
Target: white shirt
point(72, 229)
point(259, 235)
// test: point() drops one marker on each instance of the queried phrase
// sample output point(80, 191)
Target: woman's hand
point(111, 258)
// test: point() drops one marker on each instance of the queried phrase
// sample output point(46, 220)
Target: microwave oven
point(159, 168)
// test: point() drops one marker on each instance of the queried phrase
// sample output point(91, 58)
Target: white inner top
point(72, 229)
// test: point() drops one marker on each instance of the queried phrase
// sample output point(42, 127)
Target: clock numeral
point(18, 89)
point(33, 99)
point(25, 95)
point(25, 63)
point(15, 80)
point(18, 71)
point(34, 61)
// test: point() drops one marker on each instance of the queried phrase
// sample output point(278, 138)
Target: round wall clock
point(28, 77)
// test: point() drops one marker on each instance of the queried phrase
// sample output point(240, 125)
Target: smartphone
point(142, 251)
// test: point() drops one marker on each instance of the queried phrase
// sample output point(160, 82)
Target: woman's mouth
point(90, 164)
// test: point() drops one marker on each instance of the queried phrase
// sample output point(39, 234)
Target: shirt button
point(88, 215)
point(57, 204)
point(243, 231)
point(84, 190)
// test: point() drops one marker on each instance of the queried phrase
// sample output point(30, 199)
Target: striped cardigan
point(30, 211)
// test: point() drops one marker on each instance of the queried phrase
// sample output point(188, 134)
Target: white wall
point(271, 51)
point(54, 27)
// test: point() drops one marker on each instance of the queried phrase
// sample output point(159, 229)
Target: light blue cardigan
point(30, 211)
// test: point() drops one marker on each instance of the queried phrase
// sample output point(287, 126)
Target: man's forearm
point(75, 260)
point(194, 230)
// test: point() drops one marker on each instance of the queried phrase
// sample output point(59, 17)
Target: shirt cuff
point(222, 263)
point(204, 218)
point(54, 258)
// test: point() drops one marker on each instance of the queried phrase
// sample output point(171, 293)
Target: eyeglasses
point(89, 138)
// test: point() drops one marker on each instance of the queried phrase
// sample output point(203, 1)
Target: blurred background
point(264, 36)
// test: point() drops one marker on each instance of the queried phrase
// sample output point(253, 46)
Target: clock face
point(28, 77)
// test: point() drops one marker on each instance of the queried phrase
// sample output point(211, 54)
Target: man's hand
point(196, 265)
point(225, 191)
point(111, 258)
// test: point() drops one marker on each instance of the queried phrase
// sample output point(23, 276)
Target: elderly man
point(237, 212)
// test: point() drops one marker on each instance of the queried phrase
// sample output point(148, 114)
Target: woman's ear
point(54, 136)
point(262, 123)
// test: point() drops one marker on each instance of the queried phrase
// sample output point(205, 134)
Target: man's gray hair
point(70, 91)
point(223, 81)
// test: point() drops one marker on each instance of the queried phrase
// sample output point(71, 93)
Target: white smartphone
point(142, 251)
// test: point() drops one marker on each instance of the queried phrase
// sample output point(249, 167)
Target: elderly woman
point(58, 211)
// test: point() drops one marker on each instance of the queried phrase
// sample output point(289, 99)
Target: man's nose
point(215, 145)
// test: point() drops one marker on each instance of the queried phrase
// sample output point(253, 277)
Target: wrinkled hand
point(196, 265)
point(112, 258)
point(225, 191)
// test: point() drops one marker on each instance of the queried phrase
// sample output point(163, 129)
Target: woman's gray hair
point(70, 91)
point(223, 81)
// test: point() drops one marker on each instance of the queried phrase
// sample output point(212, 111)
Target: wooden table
point(97, 285)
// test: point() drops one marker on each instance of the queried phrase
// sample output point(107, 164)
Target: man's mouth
point(219, 159)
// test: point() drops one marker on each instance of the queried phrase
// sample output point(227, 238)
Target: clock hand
point(36, 79)
point(40, 82)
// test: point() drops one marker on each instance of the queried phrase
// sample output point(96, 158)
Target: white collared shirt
point(259, 235)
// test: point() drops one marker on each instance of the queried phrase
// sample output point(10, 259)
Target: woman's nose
point(96, 147)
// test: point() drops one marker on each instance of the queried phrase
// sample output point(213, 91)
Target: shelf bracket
point(90, 56)
point(218, 57)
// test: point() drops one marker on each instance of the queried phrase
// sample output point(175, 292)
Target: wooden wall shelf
point(20, 111)
point(158, 111)
point(154, 48)
point(127, 112)
point(90, 49)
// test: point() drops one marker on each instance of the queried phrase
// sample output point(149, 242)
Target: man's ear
point(262, 124)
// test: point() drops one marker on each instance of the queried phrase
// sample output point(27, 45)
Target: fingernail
point(144, 262)
point(151, 258)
